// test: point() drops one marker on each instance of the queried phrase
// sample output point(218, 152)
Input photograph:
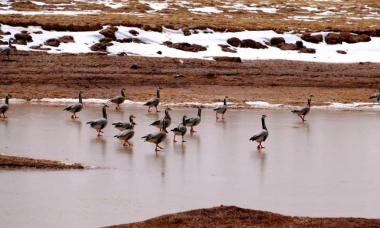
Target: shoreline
point(101, 76)
point(232, 216)
point(20, 163)
point(332, 106)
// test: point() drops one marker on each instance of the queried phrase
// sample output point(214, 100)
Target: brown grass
point(180, 17)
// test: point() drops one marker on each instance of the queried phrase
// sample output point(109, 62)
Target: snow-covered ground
point(355, 106)
point(153, 43)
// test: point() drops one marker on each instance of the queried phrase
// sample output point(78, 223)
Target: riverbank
point(186, 80)
point(231, 216)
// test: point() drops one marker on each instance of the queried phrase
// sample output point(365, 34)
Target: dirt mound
point(234, 41)
point(338, 38)
point(22, 162)
point(66, 39)
point(52, 42)
point(23, 38)
point(231, 216)
point(312, 38)
point(186, 46)
point(109, 32)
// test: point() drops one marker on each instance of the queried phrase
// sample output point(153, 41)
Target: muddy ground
point(230, 216)
point(37, 75)
point(14, 162)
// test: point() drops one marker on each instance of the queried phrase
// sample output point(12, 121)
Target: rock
point(307, 50)
point(186, 32)
point(100, 46)
point(133, 32)
point(66, 39)
point(299, 44)
point(24, 37)
point(109, 32)
point(135, 67)
point(122, 54)
point(20, 42)
point(277, 40)
point(39, 47)
point(341, 52)
point(130, 40)
point(234, 41)
point(312, 38)
point(105, 40)
point(37, 32)
point(333, 38)
point(227, 48)
point(287, 46)
point(159, 52)
point(52, 42)
point(353, 38)
point(3, 42)
point(248, 43)
point(228, 59)
point(152, 28)
point(185, 46)
point(338, 38)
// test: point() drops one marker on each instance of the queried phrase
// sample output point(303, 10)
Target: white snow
point(205, 9)
point(49, 12)
point(355, 106)
point(359, 52)
point(156, 6)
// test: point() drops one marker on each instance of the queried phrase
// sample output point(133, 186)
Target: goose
point(77, 107)
point(194, 121)
point(118, 100)
point(180, 130)
point(302, 112)
point(167, 120)
point(261, 136)
point(7, 50)
point(99, 124)
point(121, 126)
point(156, 138)
point(221, 109)
point(154, 101)
point(5, 107)
point(376, 96)
point(125, 136)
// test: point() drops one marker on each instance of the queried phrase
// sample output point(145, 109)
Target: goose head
point(122, 92)
point(10, 41)
point(263, 116)
point(184, 119)
point(131, 119)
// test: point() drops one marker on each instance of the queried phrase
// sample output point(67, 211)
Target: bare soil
point(230, 216)
point(350, 16)
point(14, 162)
point(37, 75)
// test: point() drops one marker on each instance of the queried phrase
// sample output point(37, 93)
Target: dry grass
point(346, 18)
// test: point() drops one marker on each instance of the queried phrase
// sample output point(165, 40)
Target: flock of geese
point(127, 128)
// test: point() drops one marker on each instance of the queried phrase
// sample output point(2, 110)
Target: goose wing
point(263, 135)
point(117, 99)
point(152, 102)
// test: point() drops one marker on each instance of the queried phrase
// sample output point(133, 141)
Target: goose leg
point(157, 109)
point(183, 140)
point(174, 138)
point(192, 129)
point(223, 116)
point(160, 146)
point(126, 143)
point(216, 115)
point(149, 109)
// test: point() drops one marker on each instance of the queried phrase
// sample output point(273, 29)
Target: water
point(329, 166)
